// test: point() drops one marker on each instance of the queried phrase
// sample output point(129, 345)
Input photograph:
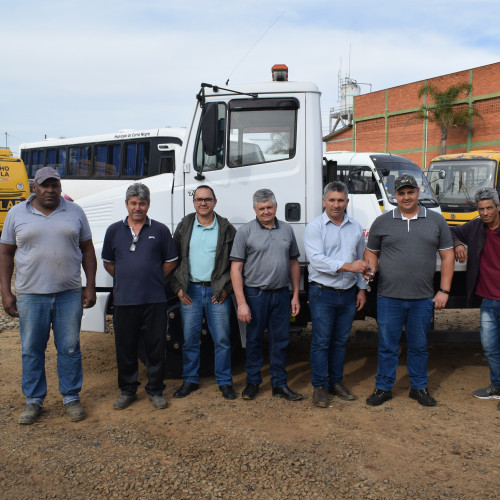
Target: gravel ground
point(205, 447)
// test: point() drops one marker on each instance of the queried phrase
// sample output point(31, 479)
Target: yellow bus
point(456, 178)
point(14, 184)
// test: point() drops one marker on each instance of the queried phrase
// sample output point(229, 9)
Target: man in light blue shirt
point(334, 245)
point(203, 284)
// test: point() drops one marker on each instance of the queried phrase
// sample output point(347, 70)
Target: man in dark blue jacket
point(482, 237)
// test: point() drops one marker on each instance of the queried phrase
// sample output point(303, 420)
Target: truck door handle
point(292, 212)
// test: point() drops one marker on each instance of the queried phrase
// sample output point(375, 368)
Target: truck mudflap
point(94, 319)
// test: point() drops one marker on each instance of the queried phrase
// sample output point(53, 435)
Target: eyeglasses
point(199, 201)
point(135, 239)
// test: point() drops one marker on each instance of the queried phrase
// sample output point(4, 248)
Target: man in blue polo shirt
point(139, 253)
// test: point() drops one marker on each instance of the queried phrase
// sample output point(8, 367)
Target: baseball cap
point(405, 180)
point(46, 173)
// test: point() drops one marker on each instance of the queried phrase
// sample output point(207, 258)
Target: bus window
point(37, 161)
point(79, 161)
point(56, 158)
point(107, 160)
point(137, 159)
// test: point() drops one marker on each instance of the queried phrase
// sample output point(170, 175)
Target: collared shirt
point(407, 259)
point(138, 275)
point(48, 255)
point(266, 253)
point(202, 248)
point(329, 246)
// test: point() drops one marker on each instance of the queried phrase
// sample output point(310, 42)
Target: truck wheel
point(175, 340)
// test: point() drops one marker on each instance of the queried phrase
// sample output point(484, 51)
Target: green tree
point(444, 112)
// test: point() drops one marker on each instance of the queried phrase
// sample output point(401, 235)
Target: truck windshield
point(463, 178)
point(261, 130)
point(388, 170)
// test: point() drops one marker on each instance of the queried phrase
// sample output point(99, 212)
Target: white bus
point(94, 163)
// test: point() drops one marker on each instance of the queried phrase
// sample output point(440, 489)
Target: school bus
point(455, 179)
point(14, 184)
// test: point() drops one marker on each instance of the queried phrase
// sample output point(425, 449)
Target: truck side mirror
point(442, 174)
point(209, 129)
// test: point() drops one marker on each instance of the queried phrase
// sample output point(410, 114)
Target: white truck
point(256, 136)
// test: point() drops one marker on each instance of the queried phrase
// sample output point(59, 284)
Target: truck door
point(248, 144)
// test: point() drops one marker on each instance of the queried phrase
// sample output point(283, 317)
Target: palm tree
point(442, 112)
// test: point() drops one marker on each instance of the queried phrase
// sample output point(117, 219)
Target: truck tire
point(175, 340)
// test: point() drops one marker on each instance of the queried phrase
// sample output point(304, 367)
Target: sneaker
point(341, 391)
point(158, 402)
point(124, 401)
point(378, 397)
point(30, 414)
point(75, 411)
point(422, 396)
point(319, 397)
point(487, 393)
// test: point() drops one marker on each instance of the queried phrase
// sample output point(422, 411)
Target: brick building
point(385, 121)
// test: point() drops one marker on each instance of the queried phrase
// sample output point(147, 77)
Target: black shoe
point(250, 391)
point(227, 391)
point(341, 391)
point(285, 392)
point(422, 396)
point(124, 401)
point(185, 389)
point(378, 397)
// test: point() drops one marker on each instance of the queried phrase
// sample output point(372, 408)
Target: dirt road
point(204, 447)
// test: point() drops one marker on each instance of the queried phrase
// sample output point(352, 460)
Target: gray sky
point(73, 68)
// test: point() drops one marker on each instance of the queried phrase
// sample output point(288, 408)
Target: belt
point(201, 283)
point(319, 285)
point(268, 289)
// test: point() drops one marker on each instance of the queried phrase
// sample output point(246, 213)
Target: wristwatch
point(444, 291)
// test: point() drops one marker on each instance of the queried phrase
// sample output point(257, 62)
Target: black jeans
point(131, 323)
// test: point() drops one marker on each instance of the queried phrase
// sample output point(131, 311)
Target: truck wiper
point(201, 94)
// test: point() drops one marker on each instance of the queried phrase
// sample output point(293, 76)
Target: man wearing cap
point(49, 238)
point(402, 247)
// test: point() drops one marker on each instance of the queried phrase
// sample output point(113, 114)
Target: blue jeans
point(37, 313)
point(490, 337)
point(219, 323)
point(416, 316)
point(270, 309)
point(332, 314)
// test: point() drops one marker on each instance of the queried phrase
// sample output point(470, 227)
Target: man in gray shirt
point(402, 247)
point(264, 262)
point(50, 239)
